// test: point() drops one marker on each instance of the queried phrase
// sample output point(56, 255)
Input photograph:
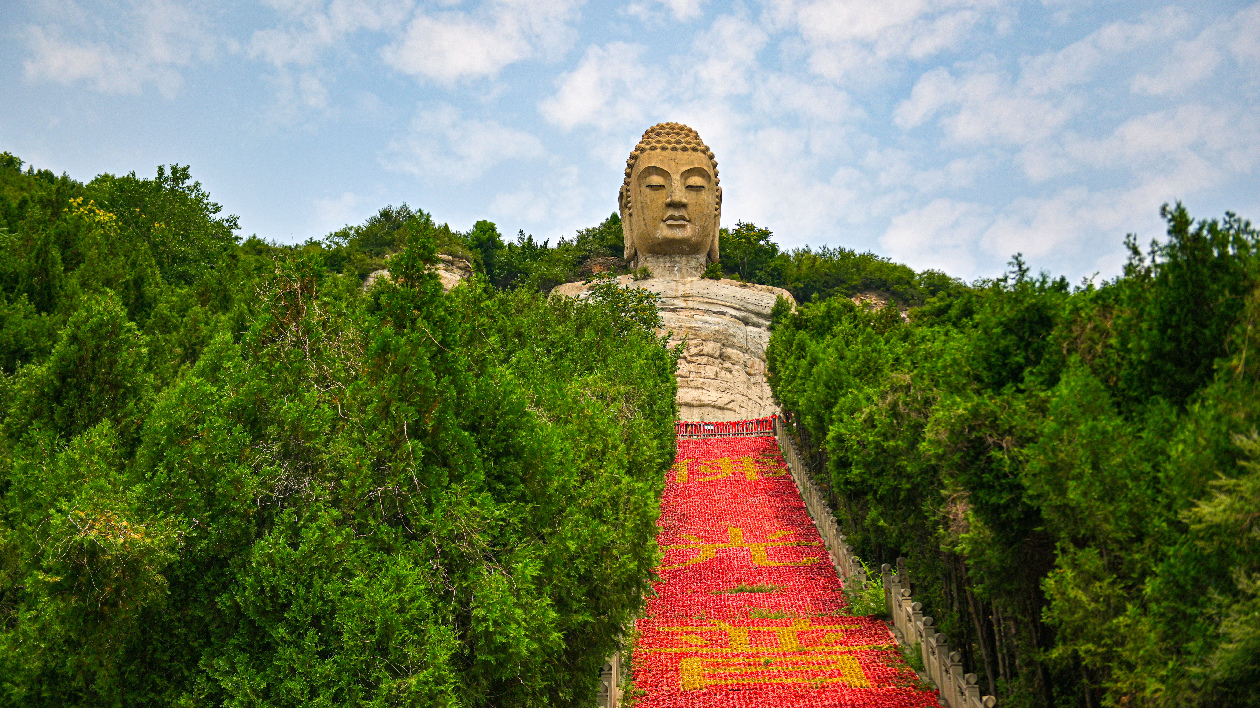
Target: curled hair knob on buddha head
point(670, 199)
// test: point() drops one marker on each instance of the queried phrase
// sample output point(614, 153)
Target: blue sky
point(945, 134)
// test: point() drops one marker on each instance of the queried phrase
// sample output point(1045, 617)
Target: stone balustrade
point(942, 667)
point(610, 683)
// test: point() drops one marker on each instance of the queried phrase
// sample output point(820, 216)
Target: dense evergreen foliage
point(749, 253)
point(1073, 473)
point(230, 475)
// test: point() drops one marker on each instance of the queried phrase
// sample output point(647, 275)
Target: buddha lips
point(748, 610)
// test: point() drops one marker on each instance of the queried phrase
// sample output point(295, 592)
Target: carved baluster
point(957, 694)
point(894, 604)
point(607, 691)
point(926, 634)
point(886, 577)
point(941, 666)
point(916, 623)
point(907, 616)
point(972, 691)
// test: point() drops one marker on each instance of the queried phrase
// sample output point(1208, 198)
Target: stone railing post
point(940, 667)
point(926, 630)
point(609, 680)
point(957, 696)
point(971, 691)
point(886, 578)
point(907, 616)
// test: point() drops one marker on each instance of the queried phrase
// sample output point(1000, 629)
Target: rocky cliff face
point(450, 270)
point(726, 325)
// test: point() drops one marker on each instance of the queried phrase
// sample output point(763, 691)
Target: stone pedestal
point(726, 324)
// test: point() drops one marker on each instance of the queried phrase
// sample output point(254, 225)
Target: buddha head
point(670, 201)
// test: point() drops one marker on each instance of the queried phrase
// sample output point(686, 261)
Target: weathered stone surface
point(450, 270)
point(670, 201)
point(671, 206)
point(726, 326)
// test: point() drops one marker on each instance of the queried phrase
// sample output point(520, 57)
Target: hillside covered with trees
point(1073, 473)
point(234, 473)
point(230, 475)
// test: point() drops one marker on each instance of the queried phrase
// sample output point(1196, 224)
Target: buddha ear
point(623, 206)
point(717, 228)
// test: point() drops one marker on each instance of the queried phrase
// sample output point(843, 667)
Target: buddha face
point(673, 202)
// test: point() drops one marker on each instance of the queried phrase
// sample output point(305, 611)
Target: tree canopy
point(231, 475)
point(1071, 472)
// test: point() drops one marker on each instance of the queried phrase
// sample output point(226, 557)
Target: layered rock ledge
point(726, 326)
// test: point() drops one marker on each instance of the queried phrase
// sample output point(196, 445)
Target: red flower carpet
point(748, 610)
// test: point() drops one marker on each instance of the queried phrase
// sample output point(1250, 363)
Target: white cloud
point(1165, 156)
point(899, 169)
point(555, 204)
point(1080, 62)
point(1208, 144)
point(1245, 46)
point(1193, 60)
point(1059, 232)
point(443, 145)
point(610, 88)
point(848, 38)
point(453, 45)
point(1040, 227)
point(987, 108)
point(298, 93)
point(940, 235)
point(316, 26)
point(682, 10)
point(1042, 112)
point(991, 107)
point(725, 57)
point(1064, 9)
point(332, 213)
point(146, 42)
point(775, 177)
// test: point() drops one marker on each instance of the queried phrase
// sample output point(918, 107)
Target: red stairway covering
point(749, 611)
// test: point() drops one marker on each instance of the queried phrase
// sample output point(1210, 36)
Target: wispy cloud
point(119, 49)
point(441, 144)
point(1235, 38)
point(848, 38)
point(610, 87)
point(309, 30)
point(451, 45)
point(947, 133)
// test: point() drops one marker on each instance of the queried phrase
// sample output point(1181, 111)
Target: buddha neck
point(675, 267)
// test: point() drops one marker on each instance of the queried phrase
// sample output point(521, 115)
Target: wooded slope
point(1073, 472)
point(230, 476)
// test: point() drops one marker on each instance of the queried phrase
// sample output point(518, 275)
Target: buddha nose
point(677, 194)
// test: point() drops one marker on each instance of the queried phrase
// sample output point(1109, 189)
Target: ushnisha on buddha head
point(671, 201)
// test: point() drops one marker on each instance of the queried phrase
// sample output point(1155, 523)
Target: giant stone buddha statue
point(671, 202)
point(671, 208)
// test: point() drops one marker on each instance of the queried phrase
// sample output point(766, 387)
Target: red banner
point(725, 428)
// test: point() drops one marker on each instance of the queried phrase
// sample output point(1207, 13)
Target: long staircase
point(749, 610)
